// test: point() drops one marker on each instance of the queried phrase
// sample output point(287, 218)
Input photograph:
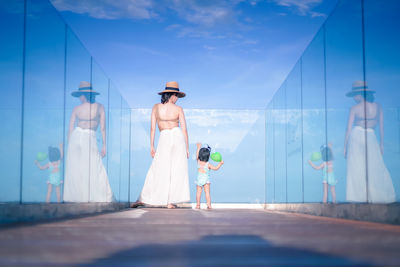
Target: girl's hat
point(84, 87)
point(172, 87)
point(359, 86)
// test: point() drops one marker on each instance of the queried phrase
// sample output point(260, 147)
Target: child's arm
point(215, 168)
point(40, 166)
point(198, 149)
point(315, 166)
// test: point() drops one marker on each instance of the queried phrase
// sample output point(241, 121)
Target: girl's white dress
point(86, 178)
point(167, 181)
point(364, 160)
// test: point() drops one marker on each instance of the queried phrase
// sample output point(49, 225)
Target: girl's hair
point(326, 153)
point(166, 96)
point(204, 154)
point(368, 96)
point(91, 98)
point(54, 154)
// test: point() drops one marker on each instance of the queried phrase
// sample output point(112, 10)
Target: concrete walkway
point(185, 237)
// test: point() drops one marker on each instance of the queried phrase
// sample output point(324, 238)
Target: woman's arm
point(350, 122)
point(182, 122)
point(316, 167)
point(153, 131)
point(103, 129)
point(215, 168)
point(72, 122)
point(381, 129)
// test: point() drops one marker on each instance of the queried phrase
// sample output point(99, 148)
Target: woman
point(85, 176)
point(167, 181)
point(365, 165)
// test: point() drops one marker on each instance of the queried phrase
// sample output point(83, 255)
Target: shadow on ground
point(222, 250)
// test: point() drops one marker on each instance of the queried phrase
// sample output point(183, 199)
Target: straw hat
point(359, 86)
point(84, 87)
point(172, 87)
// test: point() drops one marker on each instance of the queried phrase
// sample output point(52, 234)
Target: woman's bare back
point(167, 116)
point(366, 116)
point(88, 115)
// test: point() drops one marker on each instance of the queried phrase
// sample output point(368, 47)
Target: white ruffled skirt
point(167, 181)
point(86, 178)
point(360, 167)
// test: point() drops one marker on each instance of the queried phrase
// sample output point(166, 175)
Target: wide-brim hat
point(84, 87)
point(359, 87)
point(172, 87)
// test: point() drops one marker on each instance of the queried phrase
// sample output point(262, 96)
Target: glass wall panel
point(280, 123)
point(114, 142)
point(269, 154)
point(294, 151)
point(78, 69)
point(11, 52)
point(239, 135)
point(43, 103)
point(125, 152)
point(382, 74)
point(344, 67)
point(314, 121)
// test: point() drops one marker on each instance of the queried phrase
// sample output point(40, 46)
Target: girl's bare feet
point(198, 207)
point(209, 208)
point(171, 206)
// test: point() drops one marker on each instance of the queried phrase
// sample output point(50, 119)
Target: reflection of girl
point(365, 166)
point(54, 179)
point(85, 176)
point(328, 176)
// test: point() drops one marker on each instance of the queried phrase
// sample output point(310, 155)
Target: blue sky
point(225, 53)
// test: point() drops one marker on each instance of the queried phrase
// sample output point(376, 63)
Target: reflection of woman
point(85, 176)
point(167, 181)
point(365, 165)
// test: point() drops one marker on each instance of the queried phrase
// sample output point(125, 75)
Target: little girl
point(203, 175)
point(54, 178)
point(328, 177)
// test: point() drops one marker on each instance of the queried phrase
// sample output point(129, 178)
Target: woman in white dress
point(368, 179)
point(167, 181)
point(86, 178)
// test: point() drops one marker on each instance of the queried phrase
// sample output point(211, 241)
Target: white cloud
point(302, 7)
point(109, 9)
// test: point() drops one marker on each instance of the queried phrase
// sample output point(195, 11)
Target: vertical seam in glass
point(90, 112)
point(364, 94)
point(22, 104)
point(286, 127)
point(120, 150)
point(302, 128)
point(129, 168)
point(108, 119)
point(325, 93)
point(273, 142)
point(265, 157)
point(65, 97)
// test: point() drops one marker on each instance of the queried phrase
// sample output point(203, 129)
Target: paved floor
point(185, 237)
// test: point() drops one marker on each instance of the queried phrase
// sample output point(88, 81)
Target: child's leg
point(325, 199)
point(49, 188)
point(58, 194)
point(208, 197)
point(333, 191)
point(198, 196)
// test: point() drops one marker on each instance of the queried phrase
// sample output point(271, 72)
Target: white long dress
point(86, 178)
point(167, 181)
point(364, 160)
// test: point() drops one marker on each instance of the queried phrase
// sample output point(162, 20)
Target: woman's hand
point(345, 151)
point(152, 152)
point(187, 152)
point(381, 147)
point(103, 151)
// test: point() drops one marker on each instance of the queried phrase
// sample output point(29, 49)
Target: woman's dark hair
point(326, 153)
point(368, 96)
point(166, 96)
point(91, 98)
point(54, 154)
point(204, 153)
